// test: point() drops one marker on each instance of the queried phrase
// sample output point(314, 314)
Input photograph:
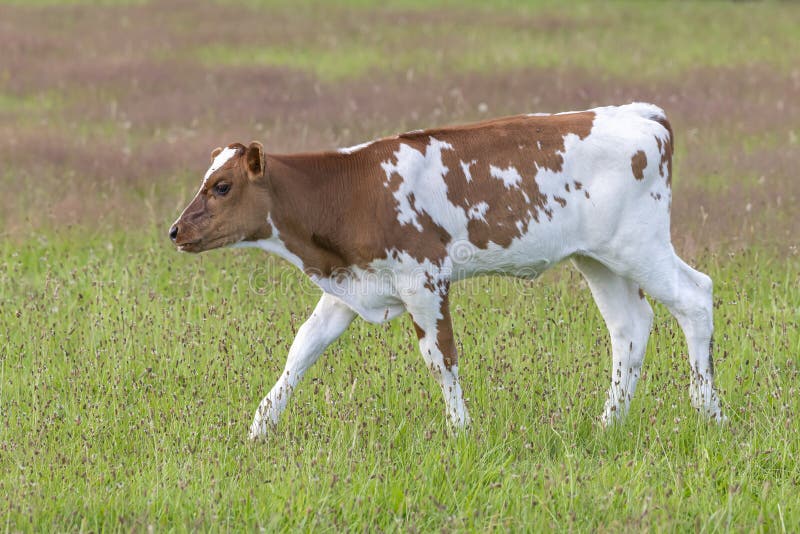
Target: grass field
point(129, 373)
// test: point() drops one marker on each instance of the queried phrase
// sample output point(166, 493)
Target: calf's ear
point(256, 162)
point(215, 153)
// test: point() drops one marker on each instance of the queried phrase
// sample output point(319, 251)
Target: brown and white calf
point(385, 227)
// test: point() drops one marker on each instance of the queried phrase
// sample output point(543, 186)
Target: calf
point(385, 227)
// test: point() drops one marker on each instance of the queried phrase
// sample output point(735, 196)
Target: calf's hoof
point(260, 428)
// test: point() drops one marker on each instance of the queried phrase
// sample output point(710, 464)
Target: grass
point(644, 40)
point(66, 3)
point(347, 61)
point(130, 374)
point(29, 104)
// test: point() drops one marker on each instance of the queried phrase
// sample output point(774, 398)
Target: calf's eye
point(222, 189)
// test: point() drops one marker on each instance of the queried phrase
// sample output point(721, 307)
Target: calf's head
point(232, 205)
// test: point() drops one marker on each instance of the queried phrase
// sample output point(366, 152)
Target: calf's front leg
point(330, 318)
point(431, 315)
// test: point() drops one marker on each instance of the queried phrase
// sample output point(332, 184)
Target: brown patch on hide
point(666, 148)
point(638, 163)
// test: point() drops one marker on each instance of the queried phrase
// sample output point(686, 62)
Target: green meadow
point(589, 36)
point(130, 373)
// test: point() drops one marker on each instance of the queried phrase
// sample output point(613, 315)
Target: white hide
point(510, 176)
point(354, 148)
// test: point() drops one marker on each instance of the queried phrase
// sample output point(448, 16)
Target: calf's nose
point(173, 232)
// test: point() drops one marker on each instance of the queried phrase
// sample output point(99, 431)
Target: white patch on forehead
point(221, 159)
point(355, 148)
point(465, 167)
point(510, 176)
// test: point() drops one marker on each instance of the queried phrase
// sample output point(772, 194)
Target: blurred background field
point(129, 373)
point(109, 111)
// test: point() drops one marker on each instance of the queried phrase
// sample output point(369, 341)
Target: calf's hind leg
point(687, 294)
point(628, 317)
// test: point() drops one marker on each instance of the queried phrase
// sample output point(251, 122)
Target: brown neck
point(311, 194)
